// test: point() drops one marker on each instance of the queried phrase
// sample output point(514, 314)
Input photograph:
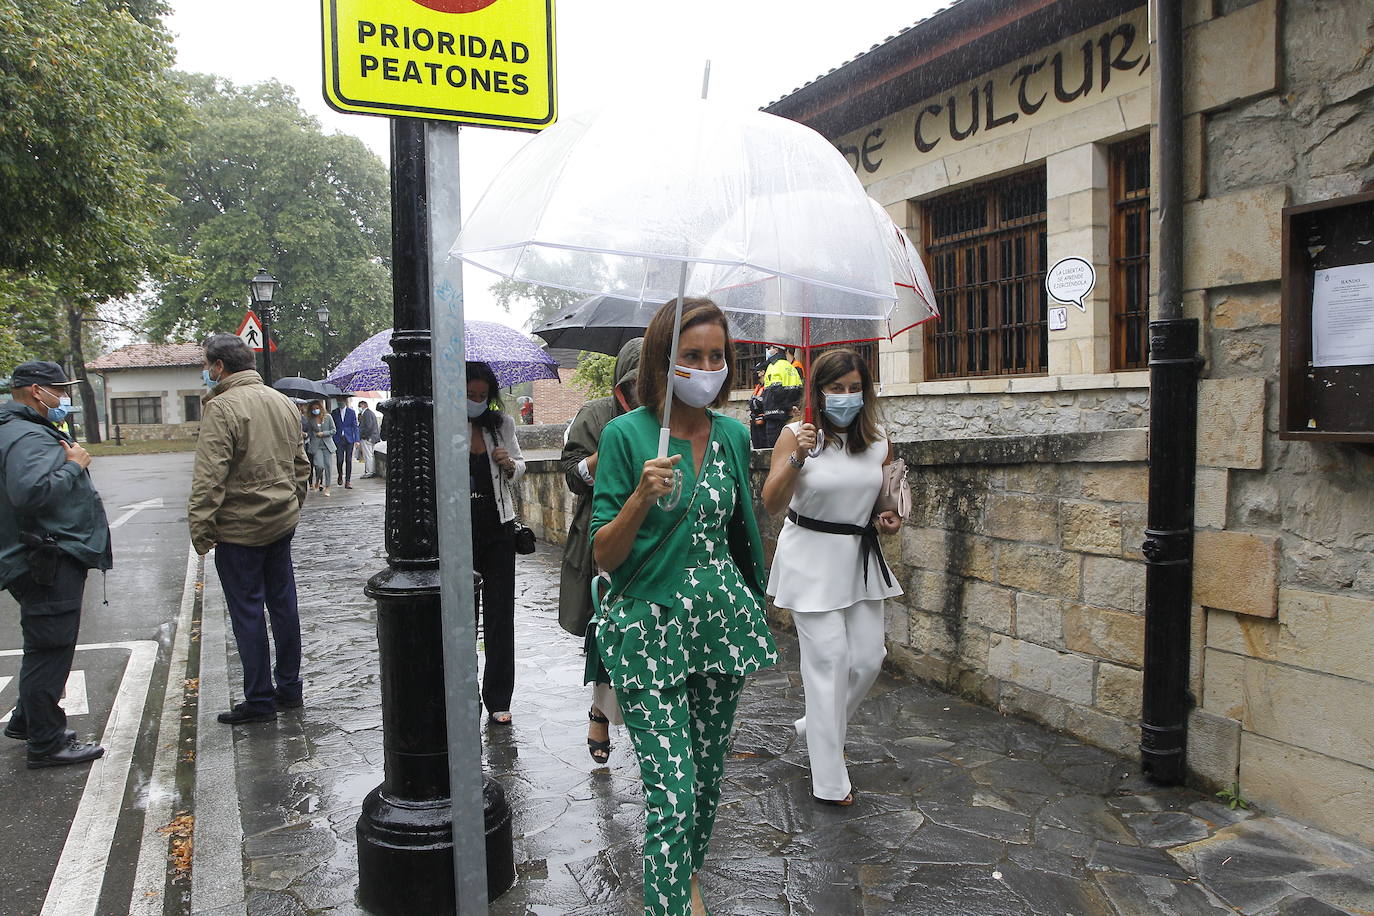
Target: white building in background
point(152, 391)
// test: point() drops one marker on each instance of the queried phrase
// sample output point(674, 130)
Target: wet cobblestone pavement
point(958, 810)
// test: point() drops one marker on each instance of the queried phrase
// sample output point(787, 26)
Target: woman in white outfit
point(828, 569)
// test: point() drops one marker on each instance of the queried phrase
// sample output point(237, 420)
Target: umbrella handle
point(669, 501)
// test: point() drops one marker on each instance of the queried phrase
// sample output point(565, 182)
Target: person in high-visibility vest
point(782, 390)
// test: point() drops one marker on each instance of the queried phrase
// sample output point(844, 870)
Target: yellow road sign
point(484, 62)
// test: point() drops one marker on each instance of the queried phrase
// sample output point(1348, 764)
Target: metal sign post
point(470, 865)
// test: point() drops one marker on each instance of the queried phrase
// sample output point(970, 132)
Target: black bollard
point(405, 832)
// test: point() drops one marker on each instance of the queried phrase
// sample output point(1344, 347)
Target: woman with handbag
point(494, 464)
point(828, 569)
point(683, 623)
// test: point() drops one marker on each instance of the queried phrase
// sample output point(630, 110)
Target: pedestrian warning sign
point(483, 62)
point(250, 332)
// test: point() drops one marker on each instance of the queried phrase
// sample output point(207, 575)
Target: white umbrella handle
point(672, 362)
point(670, 500)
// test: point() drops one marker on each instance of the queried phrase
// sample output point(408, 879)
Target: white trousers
point(369, 468)
point(841, 653)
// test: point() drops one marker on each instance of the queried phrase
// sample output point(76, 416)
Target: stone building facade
point(1020, 134)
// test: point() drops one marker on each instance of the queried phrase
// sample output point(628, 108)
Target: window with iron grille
point(134, 411)
point(1130, 247)
point(986, 247)
point(191, 405)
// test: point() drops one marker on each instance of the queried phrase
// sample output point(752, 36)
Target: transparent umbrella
point(915, 305)
point(663, 201)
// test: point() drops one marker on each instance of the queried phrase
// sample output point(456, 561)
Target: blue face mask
point(476, 409)
point(60, 412)
point(843, 408)
point(205, 376)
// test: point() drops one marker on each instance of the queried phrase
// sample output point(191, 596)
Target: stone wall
point(1279, 114)
point(157, 432)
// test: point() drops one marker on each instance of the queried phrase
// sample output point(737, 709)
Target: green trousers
point(680, 735)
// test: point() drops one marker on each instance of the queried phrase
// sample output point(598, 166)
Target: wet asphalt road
point(144, 591)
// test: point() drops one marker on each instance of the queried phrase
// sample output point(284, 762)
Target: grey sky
point(759, 50)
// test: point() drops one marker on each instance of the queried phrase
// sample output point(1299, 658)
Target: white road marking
point(5, 682)
point(154, 503)
point(75, 887)
point(74, 696)
point(150, 880)
point(74, 700)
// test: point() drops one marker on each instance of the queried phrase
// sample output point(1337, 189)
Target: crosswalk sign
point(250, 332)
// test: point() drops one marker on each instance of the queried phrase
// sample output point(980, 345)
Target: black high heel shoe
point(600, 750)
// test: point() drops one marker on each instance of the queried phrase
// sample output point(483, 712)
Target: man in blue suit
point(345, 438)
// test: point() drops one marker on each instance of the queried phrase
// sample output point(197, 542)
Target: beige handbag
point(895, 494)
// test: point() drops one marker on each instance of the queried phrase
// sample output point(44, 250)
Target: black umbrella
point(296, 387)
point(601, 324)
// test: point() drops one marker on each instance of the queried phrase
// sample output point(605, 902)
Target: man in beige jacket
point(247, 489)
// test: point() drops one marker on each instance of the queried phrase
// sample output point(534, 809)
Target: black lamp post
point(262, 288)
point(322, 313)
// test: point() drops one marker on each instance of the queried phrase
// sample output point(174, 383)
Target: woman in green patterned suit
point(683, 623)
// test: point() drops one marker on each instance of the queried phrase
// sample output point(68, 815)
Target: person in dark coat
point(579, 469)
point(346, 435)
point(369, 434)
point(52, 530)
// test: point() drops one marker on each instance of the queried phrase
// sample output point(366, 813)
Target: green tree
point(262, 186)
point(33, 328)
point(547, 300)
point(594, 375)
point(87, 110)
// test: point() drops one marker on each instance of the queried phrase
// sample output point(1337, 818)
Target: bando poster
point(1343, 316)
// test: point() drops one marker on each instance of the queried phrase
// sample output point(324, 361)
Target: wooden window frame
point(121, 407)
point(1130, 253)
point(995, 323)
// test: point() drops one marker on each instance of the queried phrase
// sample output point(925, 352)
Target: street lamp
point(322, 313)
point(262, 288)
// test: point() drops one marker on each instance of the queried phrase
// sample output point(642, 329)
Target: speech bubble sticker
point(1070, 280)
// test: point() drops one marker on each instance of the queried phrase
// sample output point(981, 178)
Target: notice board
point(1327, 365)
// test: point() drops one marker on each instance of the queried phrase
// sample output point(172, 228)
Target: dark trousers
point(50, 617)
point(253, 577)
point(772, 428)
point(493, 557)
point(343, 463)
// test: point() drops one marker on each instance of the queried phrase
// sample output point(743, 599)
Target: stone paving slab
point(959, 810)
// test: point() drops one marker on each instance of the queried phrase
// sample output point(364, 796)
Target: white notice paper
point(1343, 316)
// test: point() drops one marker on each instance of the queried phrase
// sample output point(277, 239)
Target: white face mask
point(476, 409)
point(698, 387)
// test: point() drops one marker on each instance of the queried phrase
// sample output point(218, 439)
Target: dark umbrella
point(601, 324)
point(296, 387)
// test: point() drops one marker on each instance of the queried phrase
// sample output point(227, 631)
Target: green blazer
point(626, 443)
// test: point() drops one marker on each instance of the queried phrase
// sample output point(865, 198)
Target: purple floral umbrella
point(512, 355)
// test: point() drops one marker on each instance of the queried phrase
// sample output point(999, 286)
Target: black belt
point(868, 540)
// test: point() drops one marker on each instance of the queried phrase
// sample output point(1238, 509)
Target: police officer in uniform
point(52, 530)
